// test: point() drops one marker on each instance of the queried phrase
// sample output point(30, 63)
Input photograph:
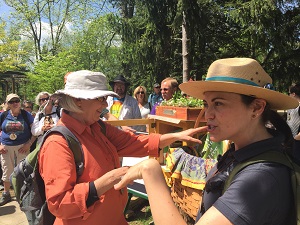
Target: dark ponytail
point(271, 117)
point(280, 124)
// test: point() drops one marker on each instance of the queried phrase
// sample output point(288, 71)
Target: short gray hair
point(37, 98)
point(67, 103)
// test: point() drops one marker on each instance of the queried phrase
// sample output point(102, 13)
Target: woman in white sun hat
point(91, 199)
point(239, 101)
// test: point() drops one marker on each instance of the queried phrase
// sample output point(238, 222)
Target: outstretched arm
point(161, 203)
point(186, 135)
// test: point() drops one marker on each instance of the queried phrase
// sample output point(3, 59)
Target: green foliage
point(97, 46)
point(142, 40)
point(48, 75)
point(11, 53)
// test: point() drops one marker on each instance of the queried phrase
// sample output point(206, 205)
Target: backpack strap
point(270, 156)
point(58, 111)
point(2, 117)
point(41, 115)
point(277, 157)
point(25, 117)
point(103, 127)
point(73, 144)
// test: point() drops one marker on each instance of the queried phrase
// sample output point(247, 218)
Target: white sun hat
point(86, 84)
point(241, 76)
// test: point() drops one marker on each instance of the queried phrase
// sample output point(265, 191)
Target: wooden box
point(183, 113)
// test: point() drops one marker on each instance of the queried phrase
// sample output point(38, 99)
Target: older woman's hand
point(149, 167)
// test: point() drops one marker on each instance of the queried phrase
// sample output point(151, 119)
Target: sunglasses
point(102, 99)
point(43, 99)
point(164, 89)
point(140, 92)
point(156, 87)
point(14, 101)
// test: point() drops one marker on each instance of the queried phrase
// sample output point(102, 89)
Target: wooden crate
point(183, 113)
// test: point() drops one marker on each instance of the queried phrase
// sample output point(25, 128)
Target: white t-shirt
point(145, 110)
point(293, 120)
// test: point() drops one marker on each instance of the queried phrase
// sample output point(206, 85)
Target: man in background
point(124, 106)
point(155, 96)
point(28, 106)
point(169, 87)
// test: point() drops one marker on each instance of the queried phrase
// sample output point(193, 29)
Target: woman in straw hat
point(239, 101)
point(91, 199)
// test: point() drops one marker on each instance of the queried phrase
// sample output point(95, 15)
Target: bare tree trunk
point(185, 61)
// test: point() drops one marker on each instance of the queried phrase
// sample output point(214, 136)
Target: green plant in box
point(183, 101)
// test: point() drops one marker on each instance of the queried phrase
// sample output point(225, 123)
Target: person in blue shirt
point(155, 96)
point(16, 140)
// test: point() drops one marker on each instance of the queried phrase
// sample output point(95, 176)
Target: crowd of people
point(239, 101)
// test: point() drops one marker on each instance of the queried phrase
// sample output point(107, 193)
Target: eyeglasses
point(102, 99)
point(43, 99)
point(164, 89)
point(27, 107)
point(140, 92)
point(14, 101)
point(156, 87)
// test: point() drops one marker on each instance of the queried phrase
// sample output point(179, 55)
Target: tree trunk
point(185, 61)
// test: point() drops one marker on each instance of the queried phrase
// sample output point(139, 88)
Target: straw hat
point(242, 76)
point(86, 84)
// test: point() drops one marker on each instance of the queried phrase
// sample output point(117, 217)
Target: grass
point(139, 212)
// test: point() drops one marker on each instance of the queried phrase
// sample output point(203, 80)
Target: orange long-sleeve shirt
point(66, 196)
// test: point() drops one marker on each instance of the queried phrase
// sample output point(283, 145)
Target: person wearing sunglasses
point(47, 110)
point(140, 94)
point(169, 87)
point(16, 140)
point(42, 97)
point(91, 198)
point(155, 96)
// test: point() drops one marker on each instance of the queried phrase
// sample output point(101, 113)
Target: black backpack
point(28, 184)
